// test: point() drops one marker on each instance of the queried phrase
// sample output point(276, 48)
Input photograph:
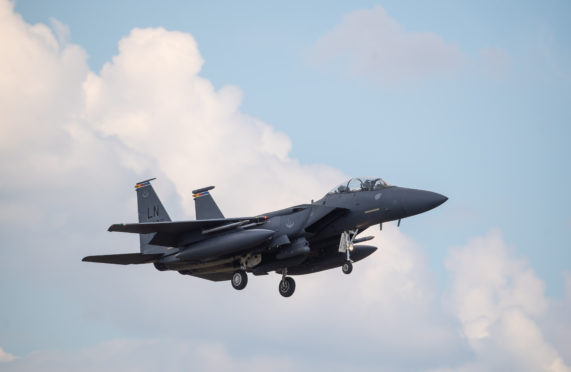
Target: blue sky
point(477, 109)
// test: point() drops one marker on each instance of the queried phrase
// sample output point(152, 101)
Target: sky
point(275, 104)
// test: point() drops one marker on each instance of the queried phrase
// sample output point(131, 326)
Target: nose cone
point(420, 201)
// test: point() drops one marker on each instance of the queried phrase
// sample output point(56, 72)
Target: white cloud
point(6, 357)
point(153, 101)
point(368, 42)
point(557, 323)
point(498, 299)
point(148, 355)
point(62, 31)
point(40, 93)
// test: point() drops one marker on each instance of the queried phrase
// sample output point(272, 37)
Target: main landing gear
point(287, 285)
point(239, 279)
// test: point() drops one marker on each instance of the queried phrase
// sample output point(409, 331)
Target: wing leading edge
point(124, 258)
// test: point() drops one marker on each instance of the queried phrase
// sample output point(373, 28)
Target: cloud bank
point(499, 301)
point(72, 143)
point(147, 355)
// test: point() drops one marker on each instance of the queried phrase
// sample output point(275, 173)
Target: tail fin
point(204, 205)
point(150, 210)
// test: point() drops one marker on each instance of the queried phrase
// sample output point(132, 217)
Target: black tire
point(239, 279)
point(347, 267)
point(287, 286)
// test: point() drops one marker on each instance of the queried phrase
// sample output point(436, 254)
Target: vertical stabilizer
point(150, 210)
point(204, 204)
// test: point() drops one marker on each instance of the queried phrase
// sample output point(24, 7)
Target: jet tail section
point(150, 210)
point(204, 204)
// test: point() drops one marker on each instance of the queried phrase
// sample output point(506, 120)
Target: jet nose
point(420, 201)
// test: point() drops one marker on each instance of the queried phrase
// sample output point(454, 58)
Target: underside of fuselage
point(264, 263)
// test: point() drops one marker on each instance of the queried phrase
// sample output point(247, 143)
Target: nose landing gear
point(346, 246)
point(347, 267)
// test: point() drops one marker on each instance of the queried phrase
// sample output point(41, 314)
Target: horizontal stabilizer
point(124, 259)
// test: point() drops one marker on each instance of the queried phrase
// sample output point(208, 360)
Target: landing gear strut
point(239, 279)
point(287, 285)
point(346, 245)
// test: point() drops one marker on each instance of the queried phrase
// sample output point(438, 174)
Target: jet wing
point(124, 259)
point(170, 234)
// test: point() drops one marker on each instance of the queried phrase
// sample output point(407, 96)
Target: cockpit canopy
point(361, 184)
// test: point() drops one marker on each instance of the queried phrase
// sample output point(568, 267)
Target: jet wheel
point(239, 279)
point(347, 267)
point(287, 286)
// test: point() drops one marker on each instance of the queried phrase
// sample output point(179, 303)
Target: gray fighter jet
point(299, 240)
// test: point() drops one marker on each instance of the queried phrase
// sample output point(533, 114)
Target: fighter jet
point(299, 240)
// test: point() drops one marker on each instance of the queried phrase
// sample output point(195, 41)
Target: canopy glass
point(361, 184)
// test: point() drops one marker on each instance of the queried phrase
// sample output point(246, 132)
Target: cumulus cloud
point(557, 323)
point(368, 42)
point(40, 93)
point(498, 300)
point(152, 99)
